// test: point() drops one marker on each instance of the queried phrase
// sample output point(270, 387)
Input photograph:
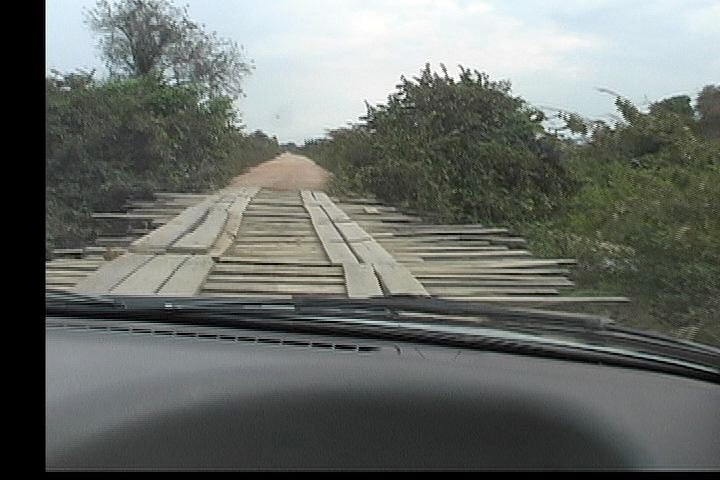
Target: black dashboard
point(153, 396)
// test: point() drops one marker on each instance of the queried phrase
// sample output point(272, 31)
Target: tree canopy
point(154, 37)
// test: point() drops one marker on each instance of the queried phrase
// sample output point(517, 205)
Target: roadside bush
point(646, 222)
point(107, 141)
point(637, 203)
point(460, 150)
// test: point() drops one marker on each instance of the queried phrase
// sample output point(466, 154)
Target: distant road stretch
point(284, 172)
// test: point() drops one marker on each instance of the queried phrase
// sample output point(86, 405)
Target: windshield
point(552, 156)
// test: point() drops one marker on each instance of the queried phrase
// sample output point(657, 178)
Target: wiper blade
point(333, 306)
point(57, 301)
point(403, 318)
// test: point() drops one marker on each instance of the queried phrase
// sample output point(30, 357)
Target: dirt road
point(285, 172)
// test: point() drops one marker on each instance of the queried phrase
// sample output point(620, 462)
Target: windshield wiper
point(454, 323)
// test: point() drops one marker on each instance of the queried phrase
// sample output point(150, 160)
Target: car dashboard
point(144, 395)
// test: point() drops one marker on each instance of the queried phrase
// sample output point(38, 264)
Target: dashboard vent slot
point(71, 324)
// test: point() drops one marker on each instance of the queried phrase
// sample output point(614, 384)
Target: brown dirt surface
point(284, 172)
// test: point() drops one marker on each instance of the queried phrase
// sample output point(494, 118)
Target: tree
point(708, 107)
point(154, 37)
point(678, 105)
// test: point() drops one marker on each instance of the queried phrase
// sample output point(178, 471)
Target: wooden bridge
point(259, 242)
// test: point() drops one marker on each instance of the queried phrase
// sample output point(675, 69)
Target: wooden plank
point(232, 226)
point(264, 240)
point(539, 299)
point(457, 230)
point(271, 287)
point(318, 215)
point(274, 270)
point(487, 277)
point(352, 232)
point(479, 272)
point(397, 280)
point(126, 216)
point(339, 253)
point(151, 276)
point(328, 234)
point(85, 268)
point(107, 277)
point(61, 280)
point(478, 254)
point(271, 261)
point(160, 239)
point(335, 248)
point(361, 282)
point(68, 251)
point(257, 296)
point(335, 213)
point(174, 195)
point(478, 290)
point(445, 248)
point(469, 283)
point(203, 237)
point(245, 231)
point(216, 276)
point(371, 252)
point(189, 278)
point(470, 266)
point(66, 273)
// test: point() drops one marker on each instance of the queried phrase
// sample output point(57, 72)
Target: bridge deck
point(244, 241)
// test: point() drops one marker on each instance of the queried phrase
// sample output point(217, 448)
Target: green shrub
point(460, 150)
point(107, 141)
point(637, 203)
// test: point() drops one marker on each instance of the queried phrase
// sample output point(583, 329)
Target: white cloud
point(705, 20)
point(421, 30)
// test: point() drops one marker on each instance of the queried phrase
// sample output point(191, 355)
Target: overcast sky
point(318, 61)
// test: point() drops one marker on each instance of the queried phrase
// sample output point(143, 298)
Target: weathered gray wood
point(259, 296)
point(371, 252)
point(444, 248)
point(203, 237)
point(271, 287)
point(469, 266)
point(277, 270)
point(339, 253)
point(429, 278)
point(160, 240)
point(107, 277)
point(480, 290)
point(287, 279)
point(84, 267)
point(550, 299)
point(127, 216)
point(491, 254)
point(307, 196)
point(189, 278)
point(335, 213)
point(457, 230)
point(271, 261)
point(361, 282)
point(148, 279)
point(397, 280)
point(352, 232)
point(469, 283)
point(66, 273)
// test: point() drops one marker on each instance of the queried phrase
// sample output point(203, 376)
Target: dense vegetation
point(462, 150)
point(637, 202)
point(163, 119)
point(107, 141)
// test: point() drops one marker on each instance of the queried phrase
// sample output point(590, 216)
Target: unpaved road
point(284, 172)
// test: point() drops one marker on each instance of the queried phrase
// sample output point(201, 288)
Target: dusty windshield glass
point(559, 156)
